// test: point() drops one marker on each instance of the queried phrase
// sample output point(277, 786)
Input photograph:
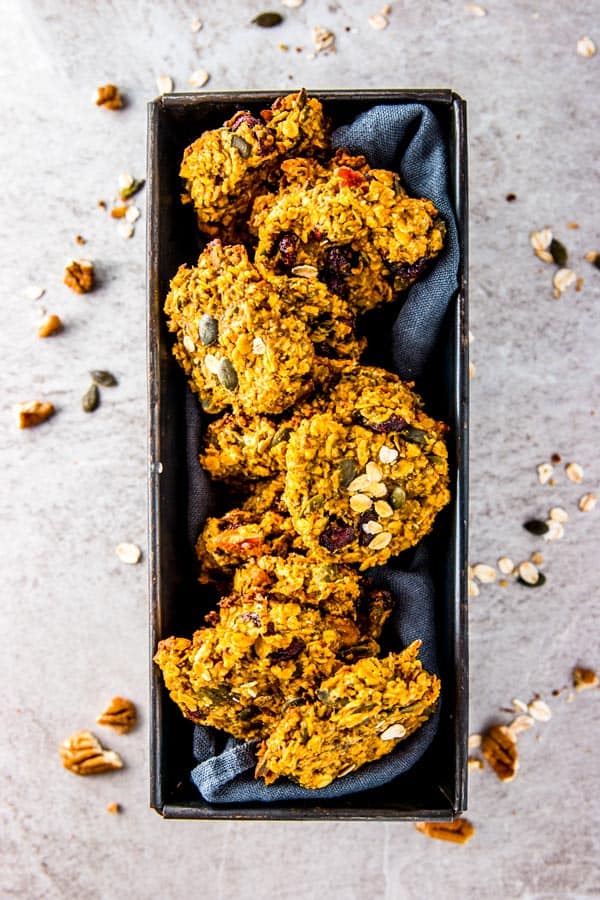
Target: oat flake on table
point(128, 553)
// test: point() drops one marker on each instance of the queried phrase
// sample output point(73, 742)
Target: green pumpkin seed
point(267, 20)
point(131, 189)
point(281, 435)
point(327, 573)
point(227, 375)
point(91, 399)
point(397, 497)
point(208, 329)
point(536, 526)
point(103, 378)
point(242, 146)
point(322, 695)
point(348, 471)
point(558, 252)
point(414, 435)
point(315, 503)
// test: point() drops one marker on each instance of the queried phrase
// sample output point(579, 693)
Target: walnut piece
point(108, 96)
point(120, 715)
point(584, 679)
point(83, 754)
point(50, 326)
point(79, 275)
point(34, 412)
point(460, 831)
point(114, 808)
point(499, 747)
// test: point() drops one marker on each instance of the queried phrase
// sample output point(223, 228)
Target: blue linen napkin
point(408, 139)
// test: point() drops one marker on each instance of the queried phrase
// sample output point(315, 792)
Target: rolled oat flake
point(130, 554)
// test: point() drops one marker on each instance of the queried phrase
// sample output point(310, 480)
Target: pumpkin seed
point(208, 329)
point(558, 252)
point(315, 503)
point(535, 526)
point(267, 19)
point(227, 375)
point(242, 146)
point(348, 472)
point(281, 435)
point(103, 378)
point(398, 497)
point(414, 435)
point(91, 398)
point(132, 188)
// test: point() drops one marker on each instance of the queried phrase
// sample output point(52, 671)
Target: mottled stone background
point(74, 619)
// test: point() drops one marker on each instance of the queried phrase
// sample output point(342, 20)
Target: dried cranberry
point(287, 249)
point(335, 536)
point(244, 117)
point(408, 273)
point(338, 260)
point(350, 177)
point(294, 649)
point(394, 423)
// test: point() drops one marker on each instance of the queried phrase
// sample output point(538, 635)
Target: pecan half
point(83, 754)
point(79, 275)
point(499, 747)
point(120, 715)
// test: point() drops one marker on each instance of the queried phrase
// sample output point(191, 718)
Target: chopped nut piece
point(132, 214)
point(473, 762)
point(129, 553)
point(506, 565)
point(499, 747)
point(545, 472)
point(83, 754)
point(474, 741)
point(539, 710)
point(586, 47)
point(558, 514)
point(473, 588)
point(114, 808)
point(519, 704)
point(541, 240)
point(33, 413)
point(587, 502)
point(483, 573)
point(165, 84)
point(198, 78)
point(583, 679)
point(108, 96)
point(459, 832)
point(120, 715)
point(118, 212)
point(50, 326)
point(79, 275)
point(521, 723)
point(574, 472)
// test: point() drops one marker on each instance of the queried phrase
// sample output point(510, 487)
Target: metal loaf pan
point(435, 788)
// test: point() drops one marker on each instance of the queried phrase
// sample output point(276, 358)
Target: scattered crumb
point(114, 808)
point(506, 565)
point(126, 230)
point(556, 458)
point(196, 25)
point(475, 10)
point(587, 502)
point(323, 40)
point(165, 84)
point(198, 78)
point(572, 225)
point(540, 711)
point(586, 47)
point(474, 741)
point(510, 198)
point(483, 573)
point(574, 472)
point(379, 21)
point(79, 239)
point(473, 762)
point(544, 472)
point(33, 292)
point(102, 204)
point(129, 553)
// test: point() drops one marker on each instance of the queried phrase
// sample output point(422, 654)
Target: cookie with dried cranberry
point(353, 227)
point(358, 496)
point(260, 654)
point(225, 167)
point(361, 713)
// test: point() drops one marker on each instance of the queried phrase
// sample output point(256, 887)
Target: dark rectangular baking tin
point(436, 787)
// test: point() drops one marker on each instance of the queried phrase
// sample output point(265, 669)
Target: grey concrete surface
point(74, 618)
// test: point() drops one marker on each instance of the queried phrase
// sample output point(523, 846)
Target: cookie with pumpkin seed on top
point(225, 167)
point(360, 493)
